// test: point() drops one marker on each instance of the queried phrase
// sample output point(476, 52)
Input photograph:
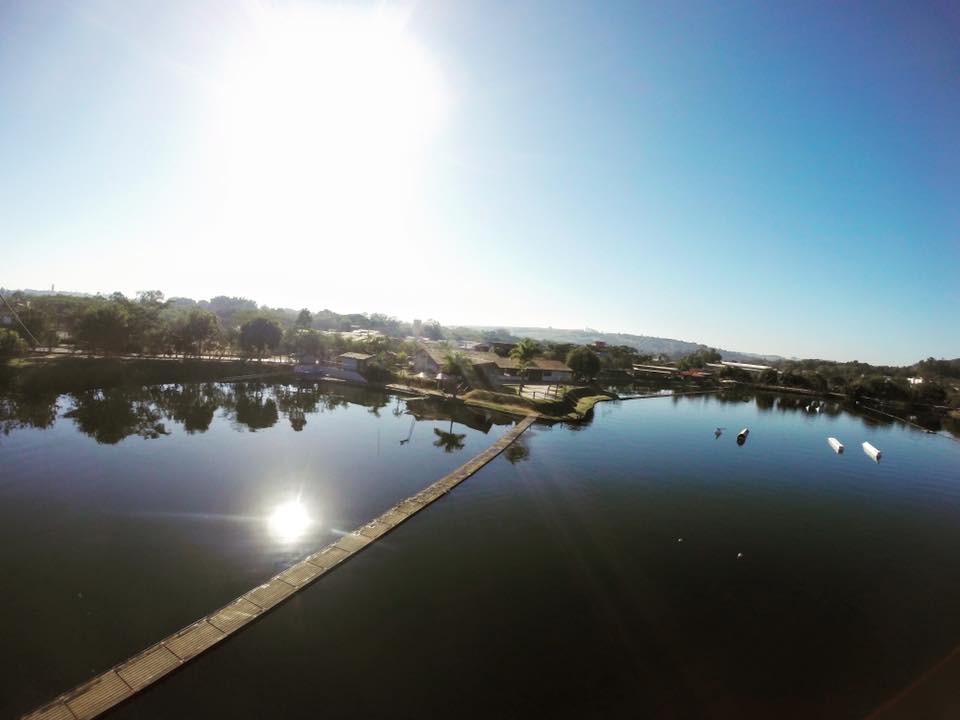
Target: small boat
point(871, 451)
point(835, 444)
point(718, 432)
point(742, 436)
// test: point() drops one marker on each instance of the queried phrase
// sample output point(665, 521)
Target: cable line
point(36, 343)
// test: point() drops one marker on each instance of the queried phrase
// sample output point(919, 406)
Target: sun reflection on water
point(289, 521)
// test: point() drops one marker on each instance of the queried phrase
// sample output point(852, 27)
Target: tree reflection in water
point(192, 405)
point(27, 410)
point(450, 440)
point(517, 452)
point(253, 408)
point(108, 416)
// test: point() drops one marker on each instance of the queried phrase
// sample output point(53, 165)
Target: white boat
point(872, 452)
point(742, 436)
point(835, 444)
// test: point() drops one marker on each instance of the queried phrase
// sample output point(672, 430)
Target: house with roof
point(507, 369)
point(353, 361)
point(428, 359)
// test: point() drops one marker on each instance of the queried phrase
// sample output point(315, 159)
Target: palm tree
point(449, 441)
point(524, 352)
point(453, 363)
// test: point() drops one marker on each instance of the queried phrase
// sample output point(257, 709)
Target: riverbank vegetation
point(119, 329)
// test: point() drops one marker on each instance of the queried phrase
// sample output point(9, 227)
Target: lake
point(134, 512)
point(635, 566)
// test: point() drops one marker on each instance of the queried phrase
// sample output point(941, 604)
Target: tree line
point(149, 324)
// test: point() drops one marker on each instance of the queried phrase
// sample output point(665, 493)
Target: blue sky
point(769, 177)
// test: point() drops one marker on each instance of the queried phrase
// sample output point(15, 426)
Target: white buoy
point(872, 452)
point(835, 444)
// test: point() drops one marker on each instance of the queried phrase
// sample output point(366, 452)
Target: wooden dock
point(126, 679)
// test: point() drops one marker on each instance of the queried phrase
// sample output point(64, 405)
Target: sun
point(322, 122)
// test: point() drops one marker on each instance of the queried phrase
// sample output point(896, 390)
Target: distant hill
point(644, 344)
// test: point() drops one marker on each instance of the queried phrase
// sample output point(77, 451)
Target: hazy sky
point(770, 177)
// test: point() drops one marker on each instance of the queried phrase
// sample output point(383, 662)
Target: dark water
point(554, 581)
point(136, 511)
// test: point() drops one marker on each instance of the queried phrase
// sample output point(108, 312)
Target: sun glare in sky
point(321, 124)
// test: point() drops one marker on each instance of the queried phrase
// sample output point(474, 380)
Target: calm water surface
point(554, 581)
point(136, 511)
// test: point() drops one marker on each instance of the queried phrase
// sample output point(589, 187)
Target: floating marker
point(872, 452)
point(836, 445)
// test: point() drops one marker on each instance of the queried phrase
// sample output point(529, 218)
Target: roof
point(356, 356)
point(509, 363)
point(552, 365)
point(438, 355)
point(745, 366)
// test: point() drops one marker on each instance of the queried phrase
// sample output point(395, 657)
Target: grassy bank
point(571, 407)
point(67, 373)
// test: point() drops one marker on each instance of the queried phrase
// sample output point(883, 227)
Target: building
point(356, 362)
point(496, 368)
point(549, 371)
point(661, 370)
point(748, 367)
point(500, 348)
point(428, 359)
point(499, 368)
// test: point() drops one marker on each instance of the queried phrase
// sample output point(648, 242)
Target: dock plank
point(99, 696)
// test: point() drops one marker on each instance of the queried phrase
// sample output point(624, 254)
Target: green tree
point(311, 342)
point(104, 327)
point(453, 363)
point(768, 377)
point(304, 319)
point(201, 327)
point(524, 352)
point(11, 344)
point(432, 330)
point(40, 323)
point(146, 324)
point(584, 362)
point(259, 335)
point(699, 358)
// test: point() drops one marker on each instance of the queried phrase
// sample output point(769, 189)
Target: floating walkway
point(123, 681)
